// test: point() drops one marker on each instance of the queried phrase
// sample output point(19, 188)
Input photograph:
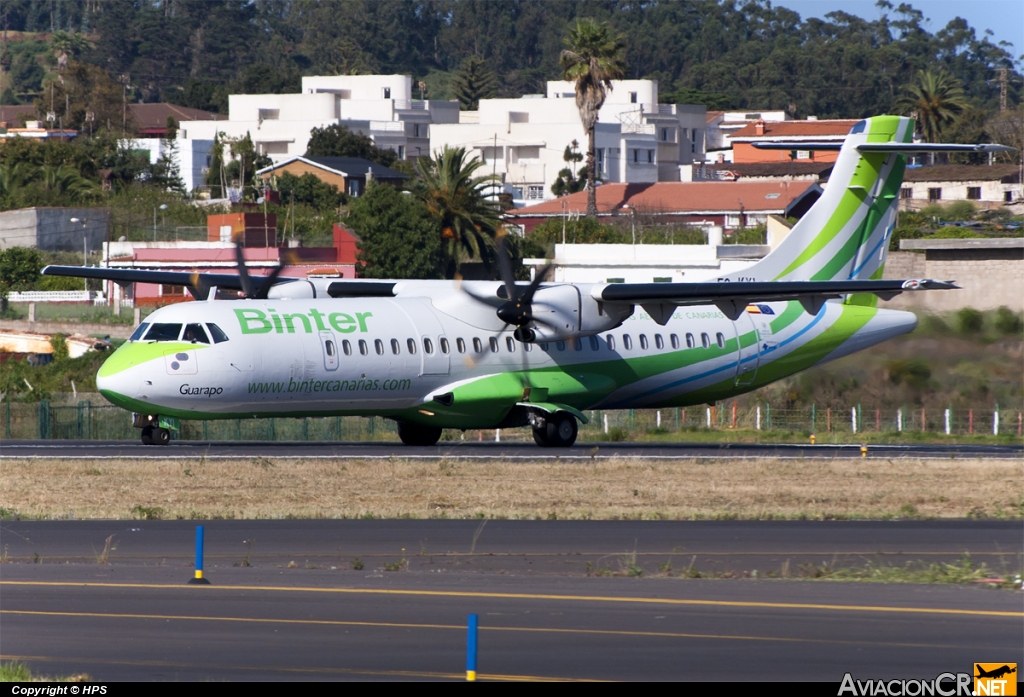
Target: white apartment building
point(191, 155)
point(637, 140)
point(721, 125)
point(378, 106)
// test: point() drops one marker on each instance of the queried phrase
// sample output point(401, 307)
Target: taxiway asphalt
point(287, 601)
point(488, 450)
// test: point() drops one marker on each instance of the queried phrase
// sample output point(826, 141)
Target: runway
point(489, 450)
point(371, 599)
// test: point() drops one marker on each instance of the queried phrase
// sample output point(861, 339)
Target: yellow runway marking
point(287, 669)
point(531, 596)
point(462, 628)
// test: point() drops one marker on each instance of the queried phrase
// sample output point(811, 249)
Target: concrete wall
point(988, 278)
point(51, 229)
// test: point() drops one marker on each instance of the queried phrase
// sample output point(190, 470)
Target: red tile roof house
point(727, 204)
point(742, 140)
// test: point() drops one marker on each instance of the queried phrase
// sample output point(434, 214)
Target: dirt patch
point(599, 489)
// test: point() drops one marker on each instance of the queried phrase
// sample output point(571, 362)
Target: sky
point(1004, 17)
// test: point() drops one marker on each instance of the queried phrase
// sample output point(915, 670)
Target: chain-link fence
point(88, 421)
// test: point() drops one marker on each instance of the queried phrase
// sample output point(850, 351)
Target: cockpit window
point(139, 332)
point(196, 334)
point(217, 333)
point(163, 332)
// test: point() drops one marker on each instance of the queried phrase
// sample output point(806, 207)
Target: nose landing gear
point(155, 429)
point(155, 436)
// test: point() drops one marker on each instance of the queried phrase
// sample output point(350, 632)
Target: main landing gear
point(556, 430)
point(414, 434)
point(152, 435)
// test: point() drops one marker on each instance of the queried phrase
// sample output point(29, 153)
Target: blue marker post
point(199, 559)
point(471, 650)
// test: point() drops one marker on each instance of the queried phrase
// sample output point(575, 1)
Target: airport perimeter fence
point(88, 421)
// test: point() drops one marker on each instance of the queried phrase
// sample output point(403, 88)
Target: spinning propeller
point(518, 309)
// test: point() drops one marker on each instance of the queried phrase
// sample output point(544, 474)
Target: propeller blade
point(505, 266)
point(267, 282)
point(243, 271)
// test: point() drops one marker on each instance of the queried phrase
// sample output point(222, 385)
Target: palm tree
point(592, 59)
point(452, 194)
point(935, 100)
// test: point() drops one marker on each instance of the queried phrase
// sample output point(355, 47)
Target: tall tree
point(467, 221)
point(569, 180)
point(397, 237)
point(339, 141)
point(473, 82)
point(935, 100)
point(592, 59)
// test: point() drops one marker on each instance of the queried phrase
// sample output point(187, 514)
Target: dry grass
point(599, 489)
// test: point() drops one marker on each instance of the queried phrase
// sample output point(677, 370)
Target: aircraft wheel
point(414, 434)
point(161, 436)
point(147, 435)
point(561, 430)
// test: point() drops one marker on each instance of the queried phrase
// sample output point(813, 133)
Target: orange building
point(811, 131)
point(348, 174)
point(255, 229)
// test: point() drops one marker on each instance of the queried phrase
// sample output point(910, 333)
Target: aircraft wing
point(732, 298)
point(198, 281)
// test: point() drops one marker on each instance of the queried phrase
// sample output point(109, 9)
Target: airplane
point(500, 354)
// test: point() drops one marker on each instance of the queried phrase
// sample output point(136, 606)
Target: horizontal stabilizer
point(933, 147)
point(797, 145)
point(884, 147)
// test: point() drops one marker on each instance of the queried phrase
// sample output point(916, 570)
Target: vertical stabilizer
point(845, 234)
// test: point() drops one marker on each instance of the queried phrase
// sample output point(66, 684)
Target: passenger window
point(196, 334)
point(658, 341)
point(720, 337)
point(363, 349)
point(346, 347)
point(428, 346)
point(643, 341)
point(478, 345)
point(527, 346)
point(163, 332)
point(611, 342)
point(460, 345)
point(690, 343)
point(139, 332)
point(331, 348)
point(560, 345)
point(217, 333)
point(444, 345)
point(494, 344)
point(594, 343)
point(411, 343)
point(577, 344)
point(675, 341)
point(379, 346)
point(627, 342)
point(396, 347)
point(544, 346)
point(705, 340)
point(511, 344)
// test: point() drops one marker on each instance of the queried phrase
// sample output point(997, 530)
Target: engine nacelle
point(295, 290)
point(561, 313)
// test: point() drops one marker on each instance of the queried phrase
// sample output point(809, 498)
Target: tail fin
point(845, 234)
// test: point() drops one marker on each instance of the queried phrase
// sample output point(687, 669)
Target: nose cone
point(118, 377)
